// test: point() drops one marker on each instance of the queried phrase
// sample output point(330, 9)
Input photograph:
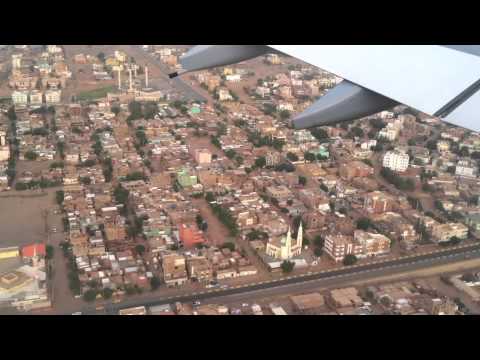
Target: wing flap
point(426, 77)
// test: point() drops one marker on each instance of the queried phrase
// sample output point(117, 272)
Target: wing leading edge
point(437, 80)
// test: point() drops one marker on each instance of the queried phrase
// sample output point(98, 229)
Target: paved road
point(314, 280)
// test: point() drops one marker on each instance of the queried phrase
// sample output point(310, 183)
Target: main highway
point(313, 280)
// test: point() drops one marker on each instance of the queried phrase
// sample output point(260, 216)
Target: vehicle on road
point(197, 303)
point(54, 230)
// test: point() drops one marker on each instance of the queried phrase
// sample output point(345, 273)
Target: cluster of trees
point(121, 197)
point(135, 229)
point(228, 245)
point(349, 260)
point(364, 223)
point(87, 163)
point(141, 136)
point(73, 272)
point(214, 140)
point(318, 243)
point(257, 234)
point(285, 167)
point(135, 109)
point(356, 132)
point(224, 215)
point(201, 223)
point(41, 131)
point(399, 182)
point(42, 183)
point(137, 175)
point(452, 242)
point(59, 197)
point(107, 165)
point(57, 165)
point(320, 134)
point(287, 266)
point(258, 140)
point(31, 155)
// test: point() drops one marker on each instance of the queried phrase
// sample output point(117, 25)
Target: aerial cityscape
point(126, 191)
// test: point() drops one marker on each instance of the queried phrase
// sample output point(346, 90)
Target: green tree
point(20, 186)
point(59, 197)
point(309, 156)
point(287, 266)
point(140, 249)
point(364, 223)
point(318, 241)
point(260, 162)
point(155, 283)
point(292, 157)
point(349, 260)
point(302, 180)
point(90, 295)
point(85, 180)
point(285, 114)
point(49, 252)
point(31, 155)
point(229, 245)
point(318, 251)
point(101, 56)
point(107, 293)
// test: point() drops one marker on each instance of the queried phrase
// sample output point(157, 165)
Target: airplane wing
point(438, 80)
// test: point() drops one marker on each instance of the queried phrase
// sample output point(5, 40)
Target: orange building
point(190, 236)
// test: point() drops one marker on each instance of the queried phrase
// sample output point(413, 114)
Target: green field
point(95, 94)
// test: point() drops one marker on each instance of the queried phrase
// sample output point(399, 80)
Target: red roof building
point(33, 250)
point(190, 236)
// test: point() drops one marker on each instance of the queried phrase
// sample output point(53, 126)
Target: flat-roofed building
point(308, 303)
point(174, 270)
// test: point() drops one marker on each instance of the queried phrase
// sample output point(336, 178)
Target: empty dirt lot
point(21, 220)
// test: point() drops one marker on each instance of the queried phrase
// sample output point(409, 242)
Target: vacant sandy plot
point(21, 219)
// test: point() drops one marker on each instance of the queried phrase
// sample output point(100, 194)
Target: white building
point(20, 97)
point(285, 106)
point(17, 61)
point(54, 49)
point(262, 91)
point(282, 248)
point(396, 161)
point(443, 146)
point(36, 98)
point(224, 95)
point(233, 77)
point(466, 168)
point(53, 96)
point(390, 132)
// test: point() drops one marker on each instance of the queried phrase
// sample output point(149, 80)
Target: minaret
point(119, 79)
point(146, 77)
point(300, 235)
point(130, 78)
point(288, 245)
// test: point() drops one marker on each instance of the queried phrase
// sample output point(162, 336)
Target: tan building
point(203, 156)
point(339, 246)
point(347, 297)
point(355, 169)
point(174, 270)
point(373, 244)
point(308, 303)
point(199, 268)
point(378, 202)
point(444, 232)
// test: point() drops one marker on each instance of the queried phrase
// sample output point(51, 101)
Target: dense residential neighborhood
point(160, 189)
